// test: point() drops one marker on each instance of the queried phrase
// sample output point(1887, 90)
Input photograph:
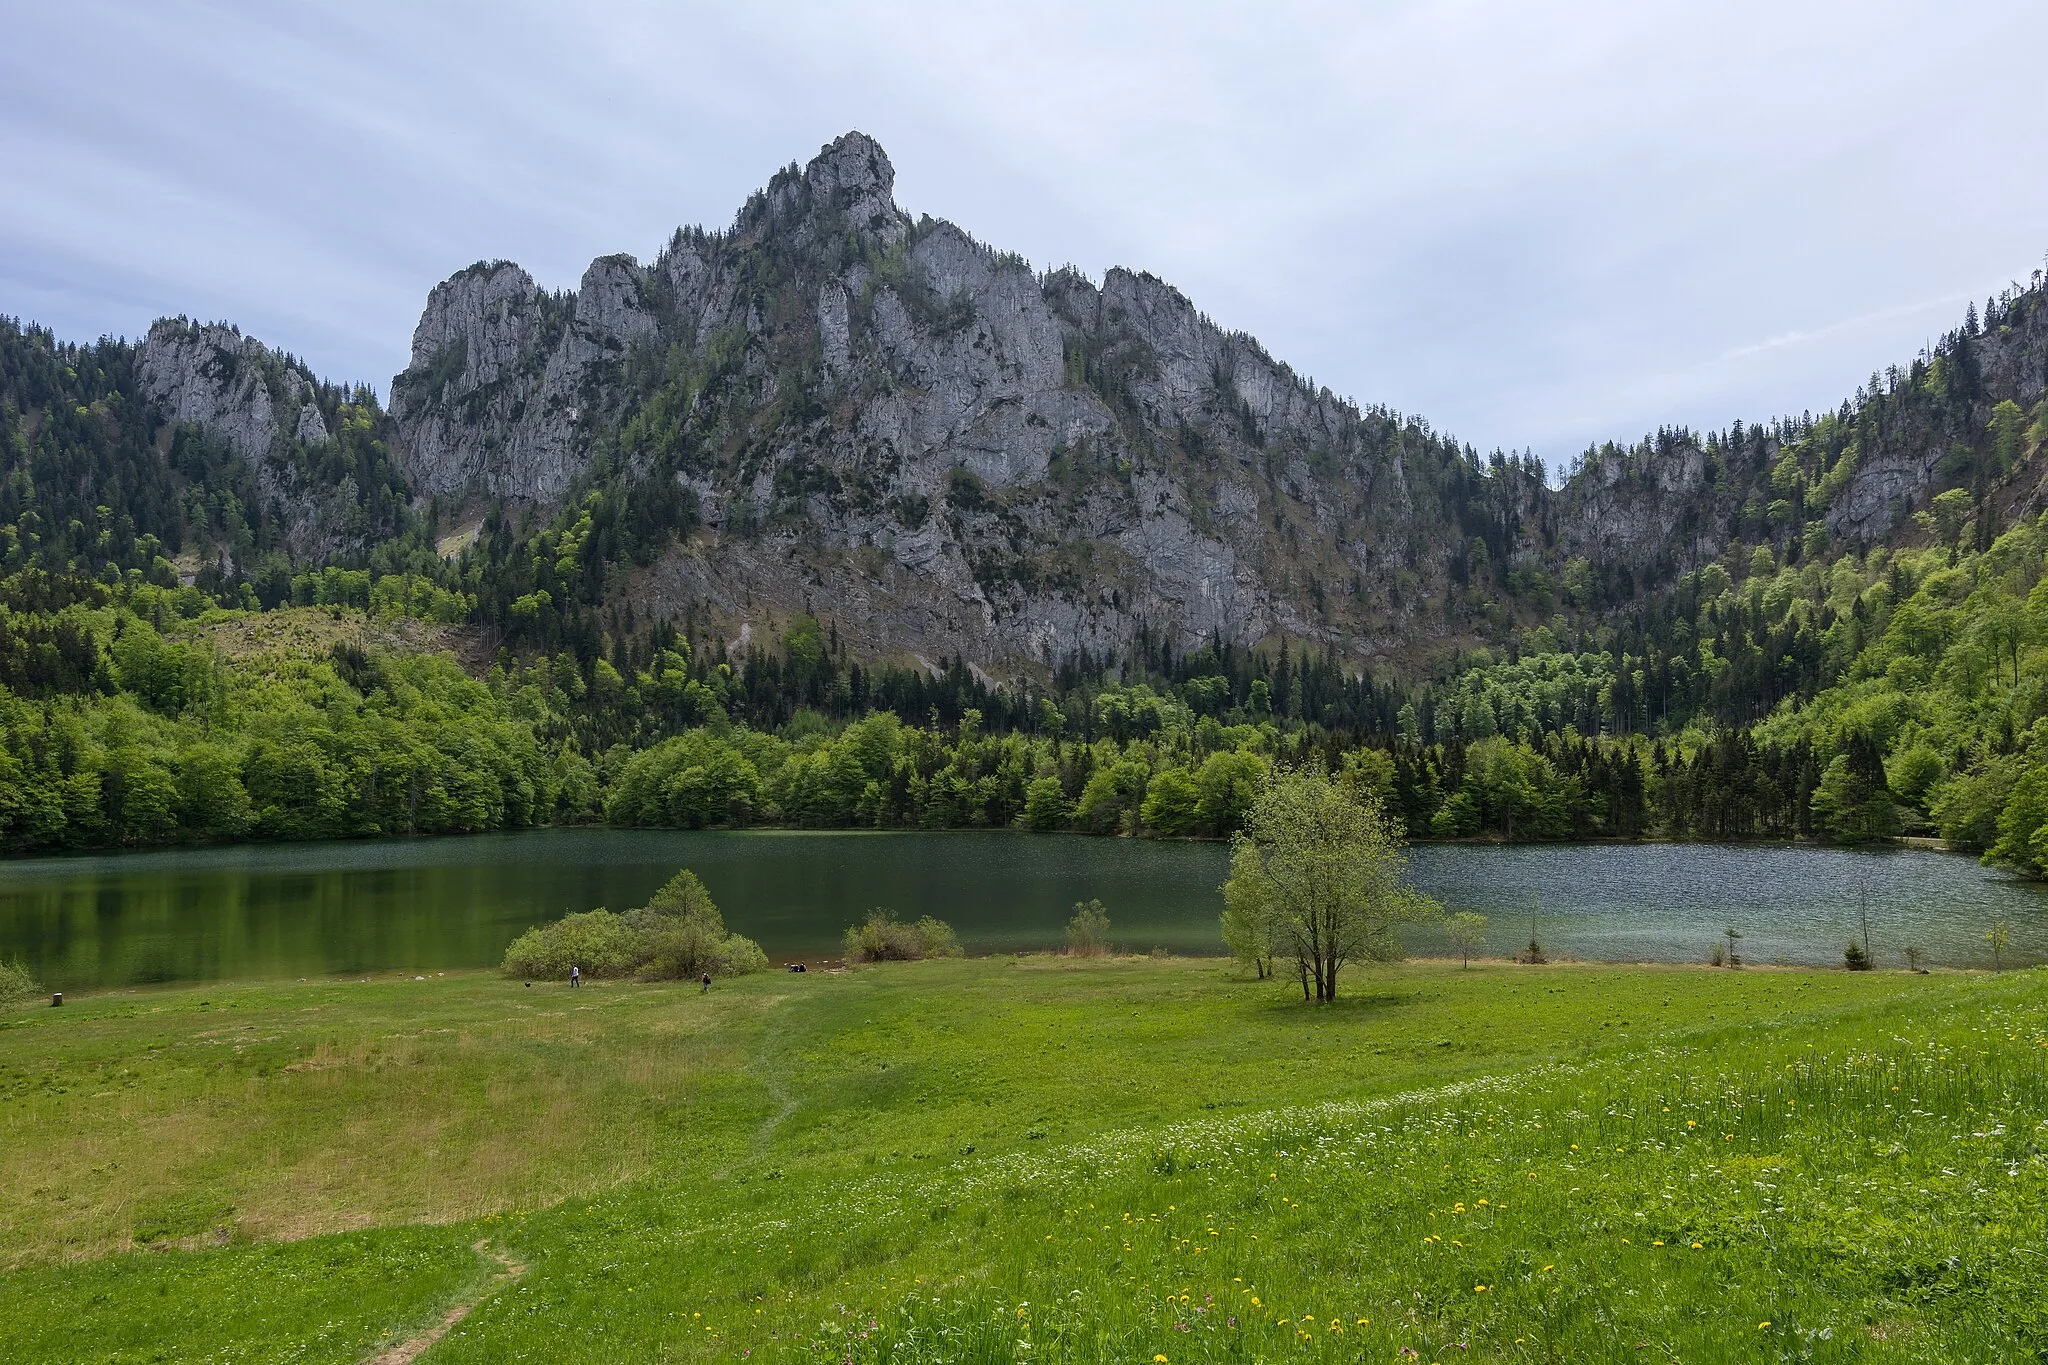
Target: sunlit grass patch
point(1694, 1202)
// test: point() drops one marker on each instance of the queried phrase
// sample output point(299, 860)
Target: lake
point(291, 910)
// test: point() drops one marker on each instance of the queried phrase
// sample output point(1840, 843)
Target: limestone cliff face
point(501, 372)
point(890, 421)
point(266, 408)
point(235, 386)
point(1895, 468)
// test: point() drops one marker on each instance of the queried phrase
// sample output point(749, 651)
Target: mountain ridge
point(830, 407)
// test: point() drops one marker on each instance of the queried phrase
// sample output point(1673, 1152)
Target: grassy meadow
point(1035, 1159)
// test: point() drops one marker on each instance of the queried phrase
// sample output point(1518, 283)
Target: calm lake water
point(339, 908)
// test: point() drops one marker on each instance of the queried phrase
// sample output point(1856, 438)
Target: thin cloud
point(1949, 304)
point(1536, 226)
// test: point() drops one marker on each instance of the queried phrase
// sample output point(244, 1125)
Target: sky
point(1537, 226)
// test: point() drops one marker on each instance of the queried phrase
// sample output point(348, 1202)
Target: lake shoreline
point(1356, 977)
point(282, 911)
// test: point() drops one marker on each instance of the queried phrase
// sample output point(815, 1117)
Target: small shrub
point(937, 938)
point(1533, 955)
point(1717, 956)
point(881, 937)
point(1854, 958)
point(1088, 930)
point(16, 984)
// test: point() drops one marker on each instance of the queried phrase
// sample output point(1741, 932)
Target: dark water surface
point(335, 908)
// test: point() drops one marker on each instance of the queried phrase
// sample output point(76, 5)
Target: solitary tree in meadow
point(1467, 929)
point(2000, 938)
point(1316, 875)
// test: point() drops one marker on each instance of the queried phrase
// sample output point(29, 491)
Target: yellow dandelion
point(1765, 1323)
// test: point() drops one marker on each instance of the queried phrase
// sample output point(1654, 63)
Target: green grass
point(1035, 1160)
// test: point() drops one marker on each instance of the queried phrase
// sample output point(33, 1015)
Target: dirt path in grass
point(413, 1347)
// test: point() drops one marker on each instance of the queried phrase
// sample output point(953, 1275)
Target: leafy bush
point(15, 983)
point(884, 938)
point(1088, 930)
point(599, 942)
point(677, 934)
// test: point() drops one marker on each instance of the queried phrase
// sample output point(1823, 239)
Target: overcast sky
point(1535, 225)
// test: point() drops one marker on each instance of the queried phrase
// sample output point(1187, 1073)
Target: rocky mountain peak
point(849, 183)
point(855, 165)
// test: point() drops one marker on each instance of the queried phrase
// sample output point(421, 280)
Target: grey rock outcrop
point(268, 410)
point(212, 376)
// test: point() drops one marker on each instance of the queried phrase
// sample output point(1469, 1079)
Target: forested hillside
point(97, 472)
point(140, 714)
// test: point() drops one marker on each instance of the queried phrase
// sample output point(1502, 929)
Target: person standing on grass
point(707, 985)
point(575, 976)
